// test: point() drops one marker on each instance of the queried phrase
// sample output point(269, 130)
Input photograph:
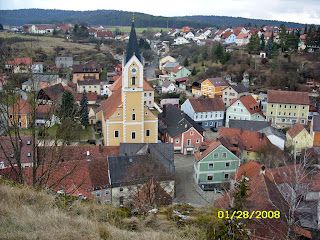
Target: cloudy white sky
point(303, 11)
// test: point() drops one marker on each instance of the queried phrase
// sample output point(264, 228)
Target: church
point(124, 115)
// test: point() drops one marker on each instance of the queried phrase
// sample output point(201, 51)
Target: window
point(189, 142)
point(29, 154)
point(145, 94)
point(210, 165)
point(133, 116)
point(121, 189)
point(116, 134)
point(177, 140)
point(147, 132)
point(210, 177)
point(191, 133)
point(197, 140)
point(302, 121)
point(133, 135)
point(227, 164)
point(121, 201)
point(150, 94)
point(224, 155)
point(215, 155)
point(133, 81)
point(271, 113)
point(226, 176)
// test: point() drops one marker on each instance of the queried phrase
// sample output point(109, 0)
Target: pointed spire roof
point(133, 48)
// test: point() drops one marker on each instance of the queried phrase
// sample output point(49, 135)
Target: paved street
point(186, 189)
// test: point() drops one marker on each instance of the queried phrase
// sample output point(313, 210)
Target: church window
point(147, 132)
point(133, 135)
point(133, 81)
point(133, 116)
point(116, 134)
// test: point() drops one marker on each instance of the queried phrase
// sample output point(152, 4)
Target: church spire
point(133, 48)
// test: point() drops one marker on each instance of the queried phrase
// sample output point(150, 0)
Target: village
point(150, 124)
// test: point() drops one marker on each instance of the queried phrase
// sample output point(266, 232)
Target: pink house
point(179, 129)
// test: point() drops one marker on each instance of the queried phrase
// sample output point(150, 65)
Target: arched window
point(133, 81)
point(133, 116)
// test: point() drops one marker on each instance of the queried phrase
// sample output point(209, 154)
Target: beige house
point(298, 139)
point(89, 85)
point(164, 60)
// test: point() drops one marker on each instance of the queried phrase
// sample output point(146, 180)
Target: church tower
point(132, 91)
point(124, 115)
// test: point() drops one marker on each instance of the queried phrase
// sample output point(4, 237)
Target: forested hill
point(122, 18)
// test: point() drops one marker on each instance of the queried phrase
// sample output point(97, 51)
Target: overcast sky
point(303, 11)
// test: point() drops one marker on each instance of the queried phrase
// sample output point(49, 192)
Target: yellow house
point(125, 117)
point(213, 87)
point(298, 139)
point(286, 108)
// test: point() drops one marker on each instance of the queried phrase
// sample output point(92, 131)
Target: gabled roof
point(20, 61)
point(133, 48)
point(109, 106)
point(89, 67)
point(249, 125)
point(175, 122)
point(211, 147)
point(251, 104)
point(54, 92)
point(248, 140)
point(207, 104)
point(167, 83)
point(240, 88)
point(295, 130)
point(218, 81)
point(289, 97)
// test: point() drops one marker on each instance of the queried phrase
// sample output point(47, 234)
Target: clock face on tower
point(134, 71)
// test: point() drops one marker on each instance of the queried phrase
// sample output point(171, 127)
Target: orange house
point(89, 70)
point(315, 130)
point(213, 87)
point(20, 114)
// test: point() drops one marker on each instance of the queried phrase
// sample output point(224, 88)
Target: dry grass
point(29, 214)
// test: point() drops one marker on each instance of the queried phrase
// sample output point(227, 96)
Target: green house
point(214, 166)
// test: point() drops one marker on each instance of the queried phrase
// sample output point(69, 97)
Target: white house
point(168, 87)
point(233, 92)
point(208, 112)
point(245, 108)
point(189, 36)
point(180, 41)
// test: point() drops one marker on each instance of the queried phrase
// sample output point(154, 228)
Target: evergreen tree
point(1, 27)
point(84, 112)
point(305, 29)
point(254, 44)
point(194, 71)
point(186, 62)
point(219, 52)
point(240, 194)
point(68, 107)
point(262, 43)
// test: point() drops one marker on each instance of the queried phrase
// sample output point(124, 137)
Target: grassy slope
point(29, 214)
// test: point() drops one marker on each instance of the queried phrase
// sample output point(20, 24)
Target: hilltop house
point(298, 139)
point(215, 166)
point(88, 70)
point(245, 108)
point(178, 128)
point(165, 60)
point(168, 87)
point(64, 61)
point(180, 41)
point(208, 112)
point(19, 65)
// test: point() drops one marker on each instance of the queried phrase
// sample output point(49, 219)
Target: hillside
point(29, 214)
point(122, 18)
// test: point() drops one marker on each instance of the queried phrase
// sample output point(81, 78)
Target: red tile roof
point(91, 96)
point(20, 61)
point(209, 148)
point(289, 97)
point(249, 169)
point(109, 106)
point(249, 140)
point(295, 130)
point(251, 104)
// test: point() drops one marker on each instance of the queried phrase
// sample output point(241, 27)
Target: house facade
point(178, 128)
point(245, 108)
point(233, 92)
point(298, 139)
point(64, 61)
point(124, 116)
point(215, 166)
point(213, 87)
point(286, 108)
point(208, 112)
point(168, 87)
point(315, 130)
point(88, 70)
point(89, 85)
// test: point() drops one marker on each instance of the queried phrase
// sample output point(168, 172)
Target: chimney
point(263, 170)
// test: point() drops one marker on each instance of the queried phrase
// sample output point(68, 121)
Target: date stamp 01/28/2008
point(249, 215)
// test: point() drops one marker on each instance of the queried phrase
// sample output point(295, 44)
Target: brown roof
point(89, 82)
point(91, 96)
point(218, 82)
point(21, 107)
point(210, 147)
point(89, 67)
point(147, 86)
point(21, 61)
point(295, 130)
point(207, 104)
point(249, 169)
point(289, 97)
point(249, 140)
point(110, 105)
